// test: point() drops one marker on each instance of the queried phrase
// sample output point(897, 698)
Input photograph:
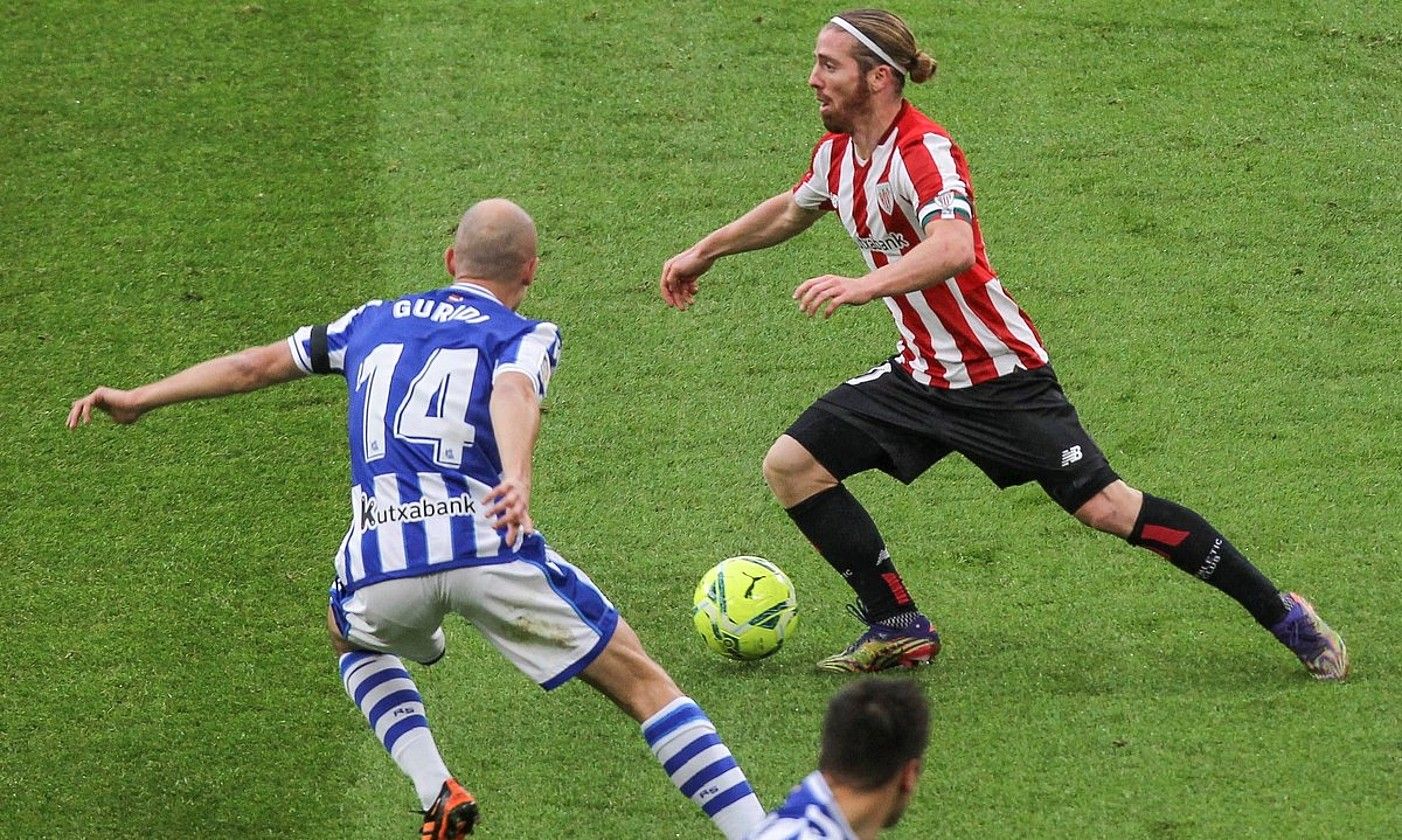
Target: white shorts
point(542, 613)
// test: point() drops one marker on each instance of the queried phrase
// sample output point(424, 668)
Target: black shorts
point(1016, 428)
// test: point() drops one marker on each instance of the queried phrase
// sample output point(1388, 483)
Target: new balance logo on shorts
point(1070, 456)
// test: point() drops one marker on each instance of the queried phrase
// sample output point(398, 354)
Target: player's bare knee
point(792, 473)
point(1096, 514)
point(1112, 510)
point(779, 465)
point(333, 633)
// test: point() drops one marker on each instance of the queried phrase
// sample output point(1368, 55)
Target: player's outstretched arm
point(515, 410)
point(247, 370)
point(774, 220)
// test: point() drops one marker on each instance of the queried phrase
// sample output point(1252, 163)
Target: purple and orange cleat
point(883, 646)
point(1316, 644)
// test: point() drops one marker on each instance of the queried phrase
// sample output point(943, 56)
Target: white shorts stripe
point(547, 617)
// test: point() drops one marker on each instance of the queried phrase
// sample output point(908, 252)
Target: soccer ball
point(745, 607)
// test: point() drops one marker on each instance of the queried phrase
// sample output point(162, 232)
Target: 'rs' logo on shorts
point(1070, 456)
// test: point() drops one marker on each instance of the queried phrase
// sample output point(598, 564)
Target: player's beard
point(898, 807)
point(843, 120)
point(896, 813)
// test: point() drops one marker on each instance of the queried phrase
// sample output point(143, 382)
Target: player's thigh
point(403, 617)
point(846, 435)
point(542, 613)
point(1072, 469)
point(1046, 444)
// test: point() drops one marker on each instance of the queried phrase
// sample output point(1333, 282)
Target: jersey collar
point(464, 286)
point(818, 787)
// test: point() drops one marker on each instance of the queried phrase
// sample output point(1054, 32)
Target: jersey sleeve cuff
point(809, 198)
point(533, 375)
point(299, 355)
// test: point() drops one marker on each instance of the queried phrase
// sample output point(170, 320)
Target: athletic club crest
point(885, 199)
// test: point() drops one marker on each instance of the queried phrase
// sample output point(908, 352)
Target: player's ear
point(910, 775)
point(450, 262)
point(529, 273)
point(883, 71)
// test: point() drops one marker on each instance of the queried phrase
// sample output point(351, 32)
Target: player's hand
point(121, 405)
point(509, 506)
point(680, 275)
point(829, 292)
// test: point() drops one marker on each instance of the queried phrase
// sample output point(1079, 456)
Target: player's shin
point(686, 744)
point(383, 690)
point(844, 534)
point(1189, 542)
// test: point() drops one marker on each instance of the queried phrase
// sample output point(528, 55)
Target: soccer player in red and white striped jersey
point(970, 373)
point(961, 332)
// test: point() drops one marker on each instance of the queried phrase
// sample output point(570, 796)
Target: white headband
point(867, 42)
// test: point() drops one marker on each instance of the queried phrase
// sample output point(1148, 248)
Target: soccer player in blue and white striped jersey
point(445, 389)
point(874, 738)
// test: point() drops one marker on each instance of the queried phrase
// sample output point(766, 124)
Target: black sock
point(1187, 541)
point(843, 533)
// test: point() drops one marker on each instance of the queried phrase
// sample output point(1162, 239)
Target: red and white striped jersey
point(956, 333)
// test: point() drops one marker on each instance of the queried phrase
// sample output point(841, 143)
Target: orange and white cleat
point(453, 815)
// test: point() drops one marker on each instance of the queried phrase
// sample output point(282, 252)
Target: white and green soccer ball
point(745, 607)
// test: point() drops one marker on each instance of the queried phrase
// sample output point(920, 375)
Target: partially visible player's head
point(495, 245)
point(863, 57)
point(874, 736)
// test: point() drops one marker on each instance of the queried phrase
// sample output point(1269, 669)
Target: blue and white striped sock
point(701, 766)
point(384, 691)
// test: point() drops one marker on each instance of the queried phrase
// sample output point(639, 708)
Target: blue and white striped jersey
point(810, 813)
point(423, 453)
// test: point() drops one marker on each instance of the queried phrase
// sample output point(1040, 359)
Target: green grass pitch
point(1195, 201)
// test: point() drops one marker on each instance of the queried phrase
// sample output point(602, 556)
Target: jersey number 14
point(444, 382)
